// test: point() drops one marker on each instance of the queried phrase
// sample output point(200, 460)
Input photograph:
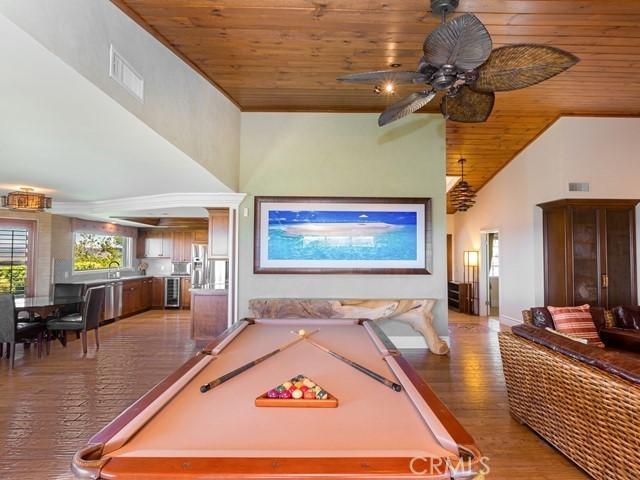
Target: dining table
point(44, 305)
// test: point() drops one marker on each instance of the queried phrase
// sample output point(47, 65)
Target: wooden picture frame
point(416, 212)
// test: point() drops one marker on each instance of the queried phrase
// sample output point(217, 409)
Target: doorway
point(493, 274)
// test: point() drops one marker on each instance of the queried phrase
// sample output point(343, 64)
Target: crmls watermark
point(458, 468)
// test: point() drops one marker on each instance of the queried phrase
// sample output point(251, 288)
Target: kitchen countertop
point(100, 281)
point(209, 290)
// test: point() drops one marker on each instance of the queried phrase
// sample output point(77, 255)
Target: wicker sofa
point(582, 399)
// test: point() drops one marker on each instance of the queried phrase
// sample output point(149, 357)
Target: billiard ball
point(302, 332)
point(273, 393)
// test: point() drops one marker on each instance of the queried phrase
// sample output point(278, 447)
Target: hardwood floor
point(50, 407)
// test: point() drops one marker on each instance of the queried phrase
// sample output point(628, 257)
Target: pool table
point(175, 431)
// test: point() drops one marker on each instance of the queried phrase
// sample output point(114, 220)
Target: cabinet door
point(153, 245)
point(127, 301)
point(620, 280)
point(219, 232)
point(147, 287)
point(140, 244)
point(167, 242)
point(177, 247)
point(200, 236)
point(586, 263)
point(157, 296)
point(185, 294)
point(187, 242)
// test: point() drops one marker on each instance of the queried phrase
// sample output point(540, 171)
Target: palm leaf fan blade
point(519, 66)
point(463, 42)
point(383, 76)
point(409, 104)
point(468, 106)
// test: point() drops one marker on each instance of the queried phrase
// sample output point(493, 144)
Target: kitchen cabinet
point(140, 243)
point(200, 236)
point(589, 252)
point(157, 295)
point(157, 244)
point(218, 232)
point(209, 314)
point(185, 294)
point(181, 249)
point(131, 297)
point(146, 293)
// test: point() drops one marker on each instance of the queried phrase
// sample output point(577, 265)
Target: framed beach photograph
point(332, 235)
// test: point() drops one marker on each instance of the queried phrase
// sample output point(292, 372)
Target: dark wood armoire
point(589, 252)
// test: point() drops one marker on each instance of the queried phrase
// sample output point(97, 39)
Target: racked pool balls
point(298, 387)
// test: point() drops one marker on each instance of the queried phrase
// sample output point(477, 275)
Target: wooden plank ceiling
point(284, 55)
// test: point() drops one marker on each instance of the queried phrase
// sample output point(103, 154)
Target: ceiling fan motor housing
point(444, 78)
point(438, 7)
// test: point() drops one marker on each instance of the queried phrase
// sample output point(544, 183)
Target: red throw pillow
point(577, 322)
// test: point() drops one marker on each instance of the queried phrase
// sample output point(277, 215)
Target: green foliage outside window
point(13, 279)
point(95, 252)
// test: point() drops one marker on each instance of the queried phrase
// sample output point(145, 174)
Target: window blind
point(14, 259)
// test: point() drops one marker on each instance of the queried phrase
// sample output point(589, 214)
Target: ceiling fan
point(459, 64)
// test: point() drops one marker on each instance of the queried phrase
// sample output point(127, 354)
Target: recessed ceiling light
point(389, 88)
point(395, 65)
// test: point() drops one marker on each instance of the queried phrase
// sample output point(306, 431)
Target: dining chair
point(67, 290)
point(13, 331)
point(87, 319)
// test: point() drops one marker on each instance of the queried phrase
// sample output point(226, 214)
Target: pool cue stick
point(357, 366)
point(228, 376)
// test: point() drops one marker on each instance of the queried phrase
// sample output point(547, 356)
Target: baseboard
point(509, 321)
point(413, 341)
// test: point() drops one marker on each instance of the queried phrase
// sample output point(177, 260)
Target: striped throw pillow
point(577, 322)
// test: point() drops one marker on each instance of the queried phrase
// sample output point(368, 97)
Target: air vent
point(123, 73)
point(578, 187)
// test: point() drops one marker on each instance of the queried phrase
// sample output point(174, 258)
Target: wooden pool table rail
point(90, 462)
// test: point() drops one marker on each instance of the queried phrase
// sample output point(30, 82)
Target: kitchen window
point(95, 251)
point(16, 256)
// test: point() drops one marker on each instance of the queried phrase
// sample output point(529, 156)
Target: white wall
point(601, 151)
point(343, 155)
point(179, 104)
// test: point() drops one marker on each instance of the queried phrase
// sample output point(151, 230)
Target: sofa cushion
point(599, 317)
point(541, 317)
point(627, 317)
point(616, 362)
point(623, 338)
point(577, 322)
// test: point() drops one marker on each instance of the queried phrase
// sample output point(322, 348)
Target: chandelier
point(26, 200)
point(462, 195)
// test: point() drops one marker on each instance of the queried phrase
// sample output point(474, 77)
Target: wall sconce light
point(471, 258)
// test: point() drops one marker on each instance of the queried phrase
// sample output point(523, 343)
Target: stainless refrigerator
point(198, 264)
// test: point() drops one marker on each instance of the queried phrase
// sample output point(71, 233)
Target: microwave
point(181, 268)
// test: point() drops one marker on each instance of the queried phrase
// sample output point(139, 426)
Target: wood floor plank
point(52, 406)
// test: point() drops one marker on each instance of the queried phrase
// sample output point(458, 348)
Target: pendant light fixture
point(26, 200)
point(462, 195)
